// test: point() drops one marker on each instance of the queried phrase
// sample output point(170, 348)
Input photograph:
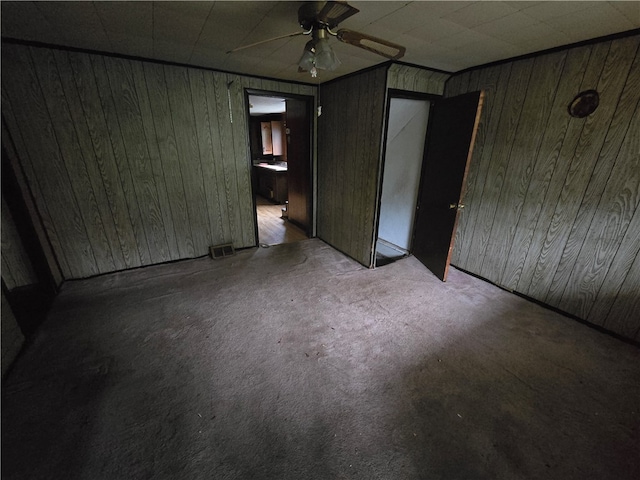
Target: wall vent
point(221, 251)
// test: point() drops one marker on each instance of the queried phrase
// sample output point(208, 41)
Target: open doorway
point(280, 140)
point(405, 140)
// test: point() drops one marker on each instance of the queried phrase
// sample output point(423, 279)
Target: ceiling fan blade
point(335, 12)
point(266, 41)
point(373, 44)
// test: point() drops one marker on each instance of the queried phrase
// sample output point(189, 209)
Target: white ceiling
point(446, 35)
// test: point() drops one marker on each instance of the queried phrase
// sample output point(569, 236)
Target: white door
point(406, 133)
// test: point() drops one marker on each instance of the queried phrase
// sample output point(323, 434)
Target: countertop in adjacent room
point(268, 166)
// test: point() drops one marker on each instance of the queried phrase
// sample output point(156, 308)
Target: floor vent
point(221, 251)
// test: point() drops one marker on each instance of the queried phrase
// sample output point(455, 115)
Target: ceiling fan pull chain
point(229, 99)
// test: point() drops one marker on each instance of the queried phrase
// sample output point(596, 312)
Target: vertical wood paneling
point(597, 127)
point(308, 90)
point(103, 155)
point(232, 198)
point(474, 80)
point(349, 152)
point(45, 229)
point(169, 159)
point(130, 162)
point(618, 282)
point(208, 158)
point(505, 245)
point(127, 106)
point(561, 201)
point(221, 184)
point(73, 163)
point(537, 214)
point(493, 82)
point(553, 210)
point(413, 79)
point(187, 146)
point(114, 134)
point(326, 201)
point(392, 76)
point(458, 84)
point(47, 174)
point(91, 176)
point(350, 130)
point(336, 193)
point(360, 116)
point(242, 156)
point(505, 133)
point(17, 270)
point(146, 115)
point(608, 224)
point(510, 195)
point(345, 178)
point(625, 311)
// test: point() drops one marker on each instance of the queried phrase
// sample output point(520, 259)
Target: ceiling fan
point(319, 19)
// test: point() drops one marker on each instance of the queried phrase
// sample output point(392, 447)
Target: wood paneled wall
point(351, 132)
point(17, 270)
point(412, 79)
point(350, 139)
point(552, 204)
point(131, 162)
point(15, 185)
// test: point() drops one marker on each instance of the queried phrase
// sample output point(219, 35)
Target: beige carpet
point(294, 362)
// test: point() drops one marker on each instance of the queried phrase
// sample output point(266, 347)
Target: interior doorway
point(453, 129)
point(280, 144)
point(27, 281)
point(404, 152)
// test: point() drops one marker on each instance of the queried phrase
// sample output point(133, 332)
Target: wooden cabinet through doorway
point(272, 138)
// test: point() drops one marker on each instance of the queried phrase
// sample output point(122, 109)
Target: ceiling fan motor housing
point(307, 14)
point(324, 14)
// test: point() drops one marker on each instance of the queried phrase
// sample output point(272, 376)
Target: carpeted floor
point(294, 362)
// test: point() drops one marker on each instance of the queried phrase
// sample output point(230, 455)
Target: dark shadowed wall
point(11, 338)
point(131, 163)
point(552, 205)
point(17, 270)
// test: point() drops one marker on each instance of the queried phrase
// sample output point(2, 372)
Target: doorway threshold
point(387, 253)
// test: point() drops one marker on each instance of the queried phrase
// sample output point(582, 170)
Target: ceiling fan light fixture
point(308, 59)
point(326, 58)
point(319, 19)
point(318, 55)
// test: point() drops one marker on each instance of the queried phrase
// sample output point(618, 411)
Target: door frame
point(29, 303)
point(312, 158)
point(395, 93)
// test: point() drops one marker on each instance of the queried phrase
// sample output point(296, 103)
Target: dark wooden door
point(298, 134)
point(452, 132)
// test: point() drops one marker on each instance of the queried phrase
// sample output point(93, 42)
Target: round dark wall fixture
point(584, 104)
